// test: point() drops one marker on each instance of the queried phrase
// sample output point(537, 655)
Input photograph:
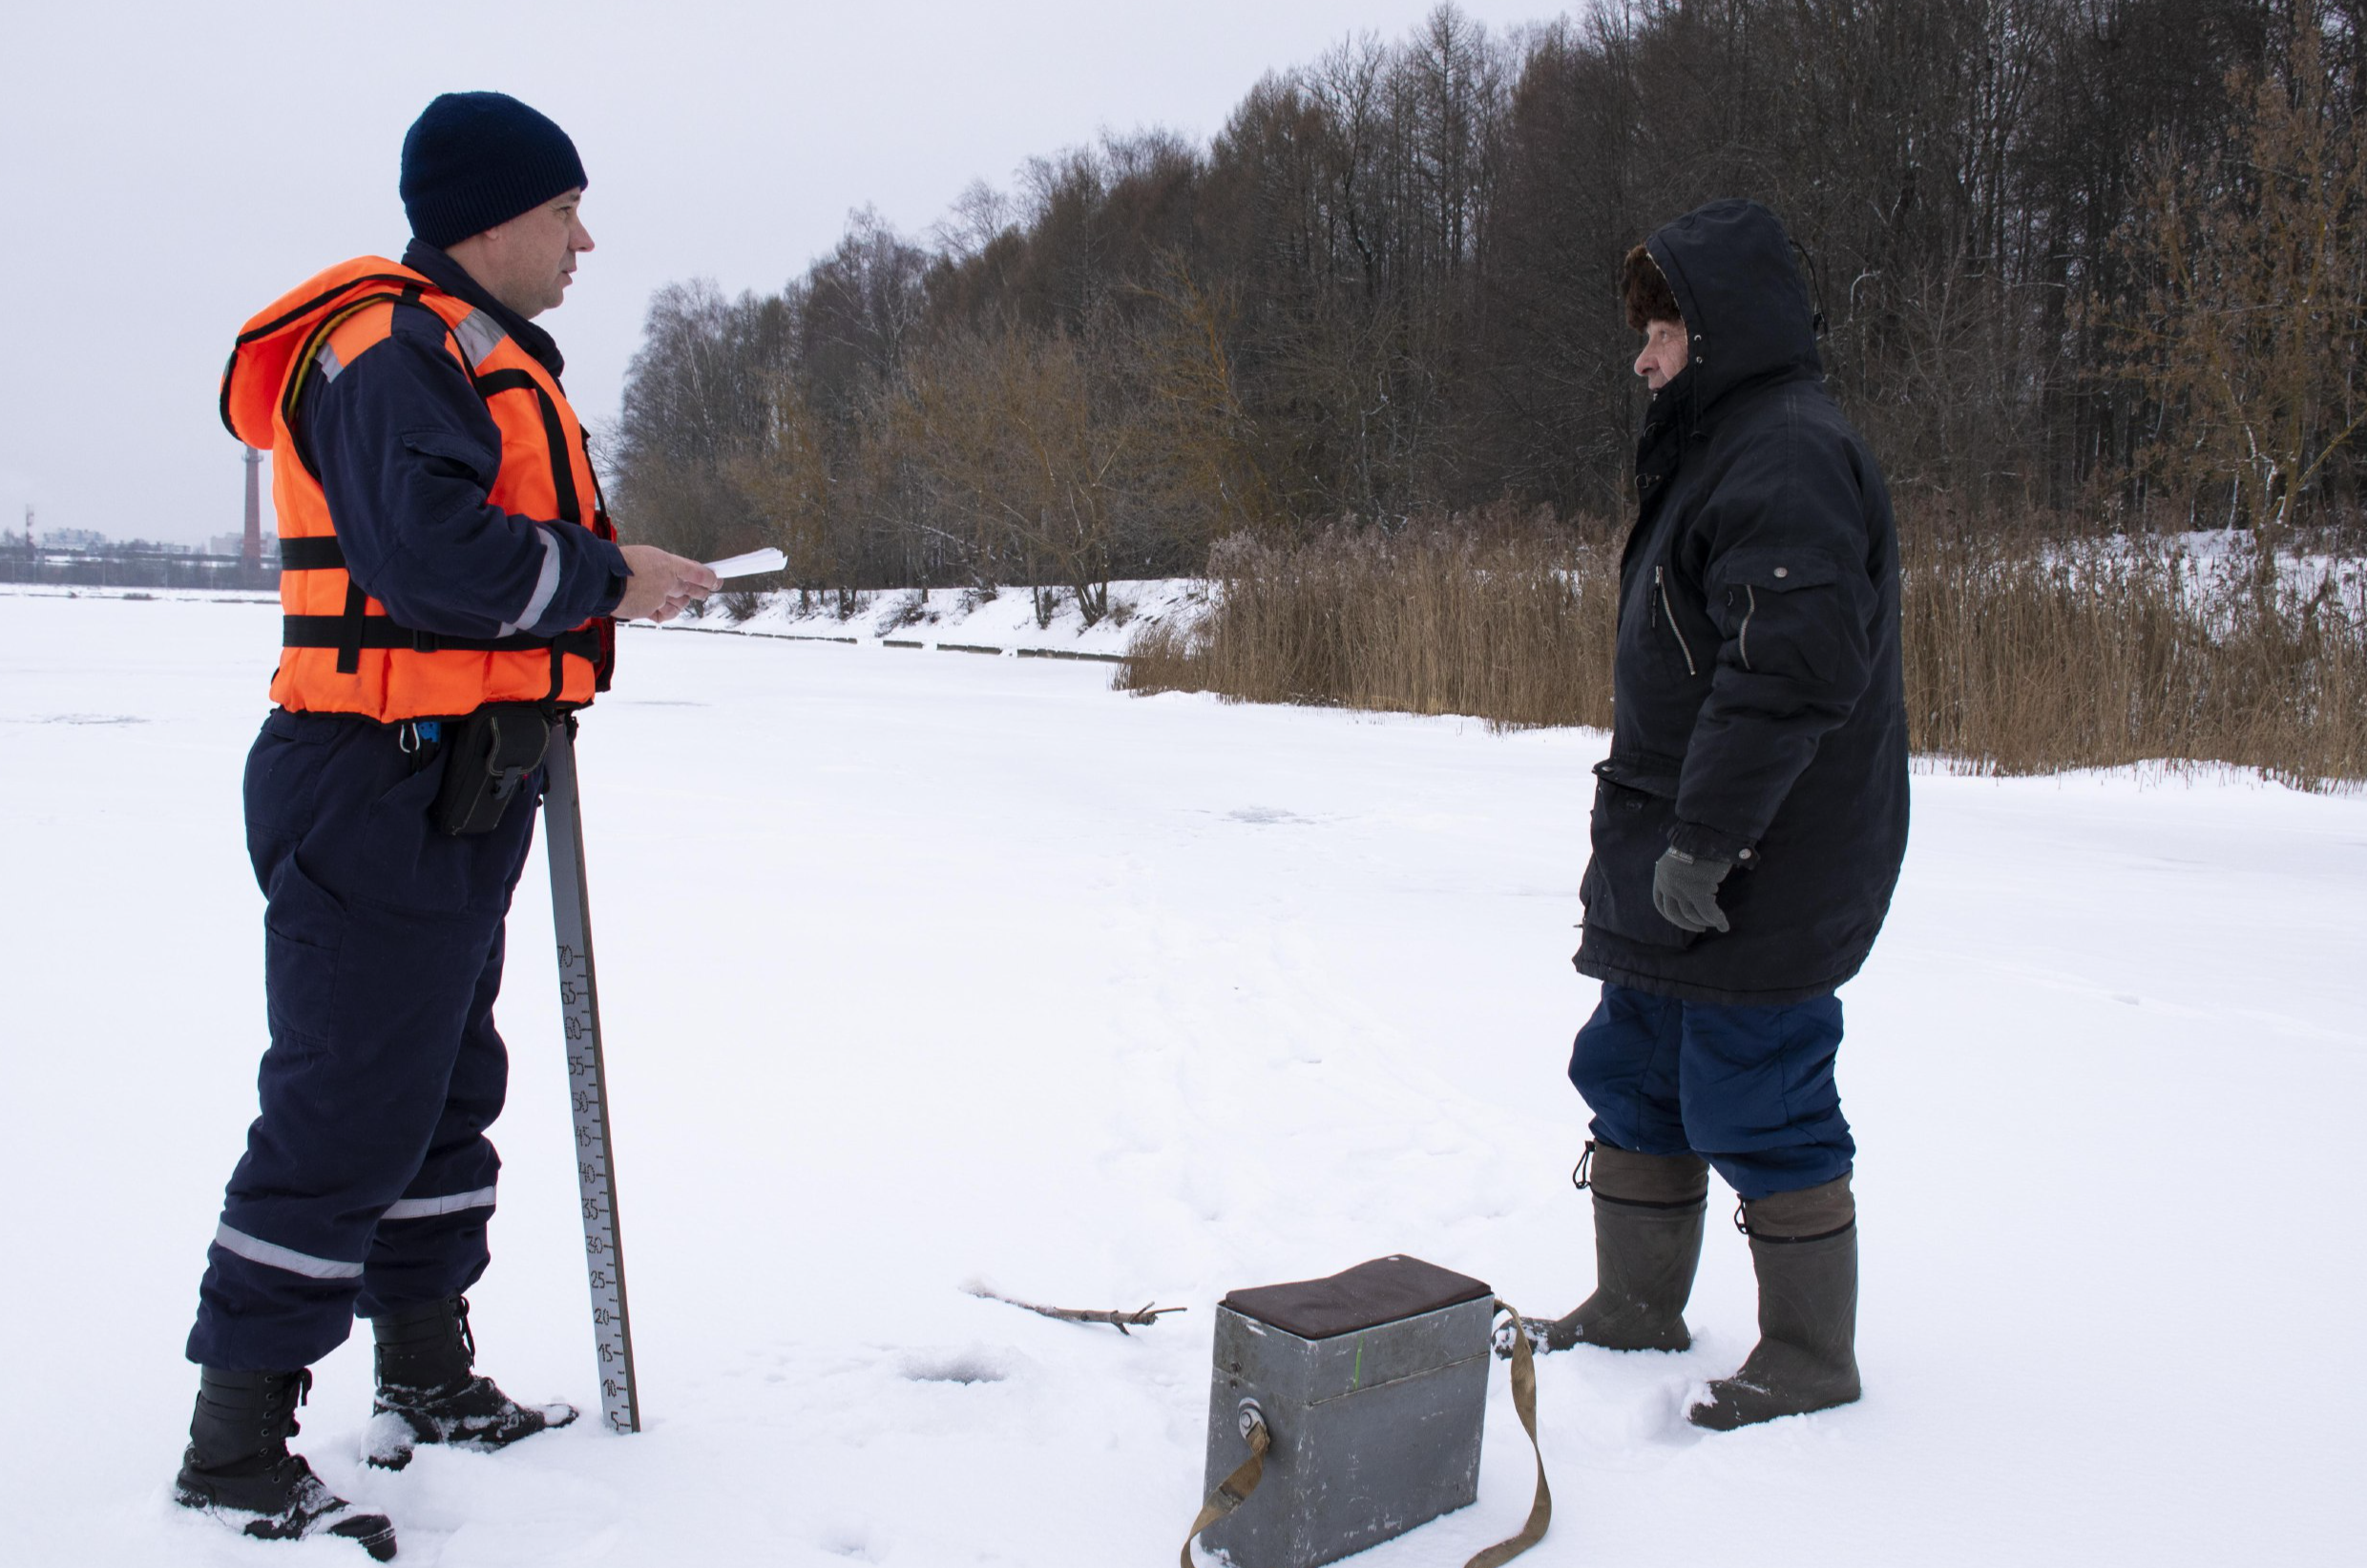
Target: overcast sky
point(167, 169)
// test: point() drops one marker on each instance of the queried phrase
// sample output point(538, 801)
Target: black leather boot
point(1804, 1245)
point(427, 1393)
point(238, 1468)
point(1647, 1243)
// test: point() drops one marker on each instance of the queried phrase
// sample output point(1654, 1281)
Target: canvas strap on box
point(1234, 1490)
point(487, 757)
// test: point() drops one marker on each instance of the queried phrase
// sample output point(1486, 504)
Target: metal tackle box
point(1372, 1386)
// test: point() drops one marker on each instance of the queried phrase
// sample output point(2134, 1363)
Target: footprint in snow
point(973, 1365)
point(1660, 1418)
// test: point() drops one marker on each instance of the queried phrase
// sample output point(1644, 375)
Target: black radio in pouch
point(487, 757)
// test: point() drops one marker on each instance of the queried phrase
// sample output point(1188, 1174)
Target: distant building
point(231, 544)
point(73, 539)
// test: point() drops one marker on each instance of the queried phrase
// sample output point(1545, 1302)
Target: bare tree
point(1385, 288)
point(2254, 324)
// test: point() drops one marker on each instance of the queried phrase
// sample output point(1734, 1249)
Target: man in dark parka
point(1748, 824)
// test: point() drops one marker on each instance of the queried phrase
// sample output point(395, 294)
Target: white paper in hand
point(750, 564)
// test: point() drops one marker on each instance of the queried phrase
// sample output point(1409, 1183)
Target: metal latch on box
point(1355, 1402)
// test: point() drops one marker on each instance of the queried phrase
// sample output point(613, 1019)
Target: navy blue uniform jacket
point(407, 454)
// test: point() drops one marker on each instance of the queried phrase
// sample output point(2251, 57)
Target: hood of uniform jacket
point(1746, 310)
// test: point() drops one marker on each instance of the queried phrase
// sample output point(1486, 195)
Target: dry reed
point(2101, 653)
point(2021, 656)
point(1514, 629)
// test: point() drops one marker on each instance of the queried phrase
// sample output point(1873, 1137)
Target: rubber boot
point(428, 1393)
point(238, 1467)
point(1804, 1245)
point(1647, 1243)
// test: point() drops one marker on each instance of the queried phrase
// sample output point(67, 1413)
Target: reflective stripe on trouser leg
point(429, 1208)
point(255, 1250)
point(382, 958)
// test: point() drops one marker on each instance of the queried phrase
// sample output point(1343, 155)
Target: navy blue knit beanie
point(474, 160)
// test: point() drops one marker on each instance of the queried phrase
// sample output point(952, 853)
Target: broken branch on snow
point(1141, 1317)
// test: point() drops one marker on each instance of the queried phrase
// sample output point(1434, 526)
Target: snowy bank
point(965, 619)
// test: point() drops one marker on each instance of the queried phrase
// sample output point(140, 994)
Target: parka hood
point(1746, 307)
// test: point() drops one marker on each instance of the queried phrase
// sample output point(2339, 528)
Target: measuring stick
point(579, 1010)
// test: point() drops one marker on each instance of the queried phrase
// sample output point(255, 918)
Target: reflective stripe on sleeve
point(423, 1208)
point(331, 367)
point(545, 586)
point(255, 1250)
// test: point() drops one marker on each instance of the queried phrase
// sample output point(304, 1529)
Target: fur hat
point(1647, 295)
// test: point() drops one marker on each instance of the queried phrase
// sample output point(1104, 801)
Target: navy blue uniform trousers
point(1750, 1089)
point(367, 1180)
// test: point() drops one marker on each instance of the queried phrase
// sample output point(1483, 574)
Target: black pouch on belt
point(487, 757)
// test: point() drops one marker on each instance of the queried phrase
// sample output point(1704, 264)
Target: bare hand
point(661, 585)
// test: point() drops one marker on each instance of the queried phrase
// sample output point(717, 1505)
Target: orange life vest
point(340, 650)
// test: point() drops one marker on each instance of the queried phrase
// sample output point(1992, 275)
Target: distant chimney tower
point(251, 552)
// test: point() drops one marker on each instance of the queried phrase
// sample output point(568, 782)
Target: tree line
point(2091, 259)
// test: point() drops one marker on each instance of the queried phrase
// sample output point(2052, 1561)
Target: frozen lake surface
point(921, 970)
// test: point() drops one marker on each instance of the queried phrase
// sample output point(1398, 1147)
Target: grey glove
point(1685, 891)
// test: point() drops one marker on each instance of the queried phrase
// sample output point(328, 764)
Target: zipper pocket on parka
point(1660, 584)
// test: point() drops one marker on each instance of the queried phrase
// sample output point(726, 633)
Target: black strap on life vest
point(356, 629)
point(565, 496)
point(393, 281)
point(554, 435)
point(378, 631)
point(321, 553)
point(352, 627)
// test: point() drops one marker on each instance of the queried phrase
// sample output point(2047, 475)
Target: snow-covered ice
point(920, 970)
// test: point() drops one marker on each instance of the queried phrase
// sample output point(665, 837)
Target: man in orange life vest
point(443, 550)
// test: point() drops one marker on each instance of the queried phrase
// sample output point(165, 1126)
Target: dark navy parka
point(407, 454)
point(1759, 713)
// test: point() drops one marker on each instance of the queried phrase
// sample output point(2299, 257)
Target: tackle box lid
point(1384, 1290)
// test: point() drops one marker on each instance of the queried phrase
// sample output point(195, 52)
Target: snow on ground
point(926, 969)
point(1005, 620)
